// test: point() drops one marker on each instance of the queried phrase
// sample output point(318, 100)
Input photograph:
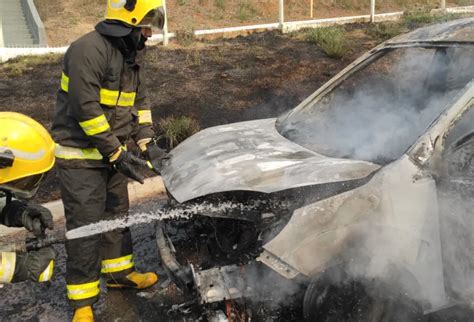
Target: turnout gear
point(126, 163)
point(100, 194)
point(34, 218)
point(101, 104)
point(26, 152)
point(138, 13)
point(134, 280)
point(83, 314)
point(35, 265)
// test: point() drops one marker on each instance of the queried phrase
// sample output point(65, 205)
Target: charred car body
point(368, 179)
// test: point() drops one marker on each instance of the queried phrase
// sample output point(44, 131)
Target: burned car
point(366, 187)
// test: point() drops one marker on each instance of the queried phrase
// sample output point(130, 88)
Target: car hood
point(250, 156)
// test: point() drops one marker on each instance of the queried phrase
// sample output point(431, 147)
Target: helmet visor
point(155, 19)
point(24, 187)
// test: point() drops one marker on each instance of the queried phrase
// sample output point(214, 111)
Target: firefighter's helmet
point(138, 13)
point(26, 153)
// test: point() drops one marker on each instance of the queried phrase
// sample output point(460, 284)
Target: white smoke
point(378, 112)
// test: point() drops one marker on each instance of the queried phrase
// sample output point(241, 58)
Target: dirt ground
point(67, 20)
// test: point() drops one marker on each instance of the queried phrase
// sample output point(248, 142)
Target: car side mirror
point(423, 150)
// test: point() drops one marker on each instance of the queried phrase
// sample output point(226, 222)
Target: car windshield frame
point(360, 64)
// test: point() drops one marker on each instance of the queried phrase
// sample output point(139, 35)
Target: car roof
point(461, 30)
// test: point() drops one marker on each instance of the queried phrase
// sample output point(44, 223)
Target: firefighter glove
point(128, 164)
point(35, 265)
point(34, 218)
point(154, 154)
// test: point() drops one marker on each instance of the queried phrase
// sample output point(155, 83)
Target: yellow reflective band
point(107, 96)
point(95, 126)
point(144, 117)
point(116, 98)
point(7, 269)
point(47, 273)
point(83, 291)
point(64, 82)
point(117, 264)
point(69, 153)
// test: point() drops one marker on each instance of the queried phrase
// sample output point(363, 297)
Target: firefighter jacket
point(101, 102)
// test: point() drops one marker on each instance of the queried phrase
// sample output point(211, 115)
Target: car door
point(455, 182)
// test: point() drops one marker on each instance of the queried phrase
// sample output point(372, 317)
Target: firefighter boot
point(83, 314)
point(135, 280)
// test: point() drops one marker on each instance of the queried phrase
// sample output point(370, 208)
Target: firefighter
point(26, 154)
point(101, 104)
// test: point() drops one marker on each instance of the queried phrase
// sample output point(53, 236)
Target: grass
point(385, 30)
point(19, 65)
point(185, 37)
point(418, 18)
point(411, 20)
point(245, 11)
point(220, 4)
point(177, 129)
point(194, 58)
point(332, 40)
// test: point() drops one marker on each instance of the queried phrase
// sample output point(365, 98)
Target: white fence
point(284, 26)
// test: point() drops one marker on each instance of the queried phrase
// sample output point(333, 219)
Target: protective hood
point(250, 156)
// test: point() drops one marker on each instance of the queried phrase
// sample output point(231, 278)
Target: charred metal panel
point(392, 220)
point(250, 156)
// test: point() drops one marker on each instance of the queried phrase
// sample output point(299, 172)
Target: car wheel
point(349, 299)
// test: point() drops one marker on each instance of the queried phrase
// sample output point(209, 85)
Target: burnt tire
point(356, 300)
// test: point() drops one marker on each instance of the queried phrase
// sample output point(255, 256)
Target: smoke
point(378, 112)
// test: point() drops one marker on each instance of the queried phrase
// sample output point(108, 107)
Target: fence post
point(281, 10)
point(443, 4)
point(372, 10)
point(311, 8)
point(165, 26)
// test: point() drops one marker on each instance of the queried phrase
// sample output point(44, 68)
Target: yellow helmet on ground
point(26, 153)
point(138, 13)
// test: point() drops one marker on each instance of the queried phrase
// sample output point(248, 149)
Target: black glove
point(34, 218)
point(155, 155)
point(31, 265)
point(127, 164)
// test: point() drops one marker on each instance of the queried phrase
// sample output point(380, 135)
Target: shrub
point(385, 30)
point(185, 37)
point(177, 129)
point(332, 40)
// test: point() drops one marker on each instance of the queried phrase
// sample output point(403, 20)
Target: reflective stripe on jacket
point(101, 102)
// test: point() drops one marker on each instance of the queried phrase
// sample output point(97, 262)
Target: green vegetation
point(385, 30)
point(185, 37)
point(418, 18)
point(177, 129)
point(194, 58)
point(220, 4)
point(332, 40)
point(182, 2)
point(411, 20)
point(19, 65)
point(245, 11)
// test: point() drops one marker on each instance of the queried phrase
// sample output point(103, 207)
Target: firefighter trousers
point(91, 195)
